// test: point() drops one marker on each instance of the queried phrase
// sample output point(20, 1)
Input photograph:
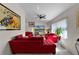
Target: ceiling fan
point(41, 16)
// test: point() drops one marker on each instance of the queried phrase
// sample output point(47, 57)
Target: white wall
point(5, 35)
point(73, 32)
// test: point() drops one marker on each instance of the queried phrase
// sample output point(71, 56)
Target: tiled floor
point(62, 51)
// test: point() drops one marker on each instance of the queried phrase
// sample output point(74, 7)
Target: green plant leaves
point(58, 30)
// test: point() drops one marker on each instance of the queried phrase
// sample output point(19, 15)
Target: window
point(63, 25)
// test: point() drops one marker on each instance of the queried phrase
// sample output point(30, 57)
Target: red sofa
point(32, 45)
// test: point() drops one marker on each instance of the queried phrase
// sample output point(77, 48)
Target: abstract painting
point(9, 20)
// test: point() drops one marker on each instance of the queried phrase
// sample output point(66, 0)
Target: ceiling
point(51, 10)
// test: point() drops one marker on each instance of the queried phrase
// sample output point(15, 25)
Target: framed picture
point(77, 20)
point(40, 26)
point(31, 24)
point(9, 20)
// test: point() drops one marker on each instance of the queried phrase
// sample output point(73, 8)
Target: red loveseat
point(52, 37)
point(31, 45)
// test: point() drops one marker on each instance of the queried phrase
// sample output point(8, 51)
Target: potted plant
point(59, 31)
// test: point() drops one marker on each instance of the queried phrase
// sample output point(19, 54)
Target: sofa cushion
point(51, 37)
point(18, 36)
point(29, 34)
point(37, 39)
